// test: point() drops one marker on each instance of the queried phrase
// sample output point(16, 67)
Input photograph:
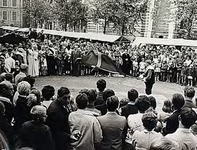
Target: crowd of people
point(93, 120)
point(53, 55)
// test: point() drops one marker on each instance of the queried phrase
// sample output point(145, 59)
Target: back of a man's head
point(48, 92)
point(142, 103)
point(189, 92)
point(132, 95)
point(63, 91)
point(92, 95)
point(178, 101)
point(112, 103)
point(82, 101)
point(101, 84)
point(107, 93)
point(188, 117)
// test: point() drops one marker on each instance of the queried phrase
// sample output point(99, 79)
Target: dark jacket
point(6, 129)
point(57, 120)
point(22, 112)
point(172, 123)
point(129, 109)
point(150, 75)
point(37, 136)
point(9, 108)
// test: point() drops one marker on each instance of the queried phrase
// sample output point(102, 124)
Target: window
point(5, 15)
point(14, 16)
point(14, 3)
point(5, 3)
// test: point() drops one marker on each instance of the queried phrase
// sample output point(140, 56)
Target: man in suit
point(85, 126)
point(112, 126)
point(172, 122)
point(189, 94)
point(149, 77)
point(130, 108)
point(183, 134)
point(57, 119)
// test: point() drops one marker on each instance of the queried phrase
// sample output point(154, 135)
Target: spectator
point(164, 143)
point(5, 127)
point(47, 94)
point(130, 108)
point(166, 112)
point(112, 126)
point(35, 133)
point(101, 85)
point(172, 122)
point(91, 99)
point(189, 94)
point(57, 119)
point(22, 74)
point(183, 134)
point(142, 139)
point(90, 133)
point(153, 102)
point(10, 62)
point(37, 93)
point(101, 104)
point(6, 92)
point(134, 120)
point(22, 110)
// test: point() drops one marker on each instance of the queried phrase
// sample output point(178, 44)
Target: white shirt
point(183, 135)
point(9, 64)
point(144, 138)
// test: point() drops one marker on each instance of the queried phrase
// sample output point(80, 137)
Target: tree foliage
point(71, 14)
point(186, 16)
point(124, 14)
point(38, 12)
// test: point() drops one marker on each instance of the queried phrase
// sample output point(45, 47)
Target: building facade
point(11, 13)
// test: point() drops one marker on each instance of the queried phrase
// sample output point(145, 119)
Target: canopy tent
point(76, 35)
point(89, 36)
point(157, 41)
point(23, 30)
point(11, 38)
point(9, 28)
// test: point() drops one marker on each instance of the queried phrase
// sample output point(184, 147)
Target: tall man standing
point(149, 77)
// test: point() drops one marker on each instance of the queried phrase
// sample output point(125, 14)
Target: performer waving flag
point(101, 61)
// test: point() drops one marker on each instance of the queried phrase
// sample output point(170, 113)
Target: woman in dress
point(33, 62)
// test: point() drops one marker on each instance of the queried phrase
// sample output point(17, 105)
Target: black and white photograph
point(98, 74)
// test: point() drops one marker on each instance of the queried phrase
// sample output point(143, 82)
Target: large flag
point(101, 61)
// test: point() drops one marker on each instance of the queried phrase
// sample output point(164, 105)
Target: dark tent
point(12, 38)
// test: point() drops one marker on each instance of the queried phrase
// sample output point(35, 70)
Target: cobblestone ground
point(161, 90)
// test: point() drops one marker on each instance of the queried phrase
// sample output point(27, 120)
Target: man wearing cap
point(149, 77)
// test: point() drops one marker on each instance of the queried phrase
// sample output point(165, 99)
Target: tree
point(71, 14)
point(124, 14)
point(37, 12)
point(186, 16)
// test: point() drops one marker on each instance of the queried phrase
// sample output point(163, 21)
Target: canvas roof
point(157, 41)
